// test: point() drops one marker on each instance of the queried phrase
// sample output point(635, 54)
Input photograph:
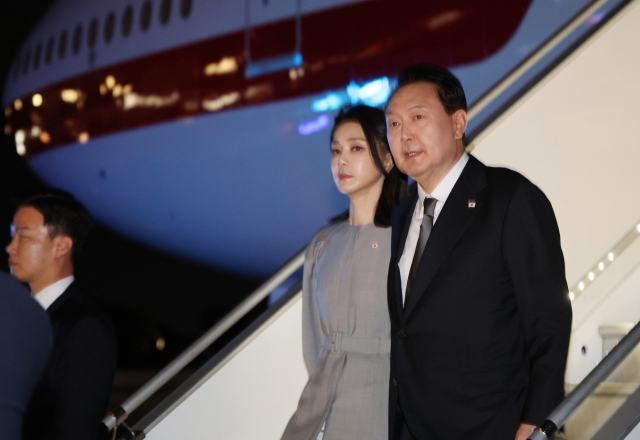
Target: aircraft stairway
point(570, 128)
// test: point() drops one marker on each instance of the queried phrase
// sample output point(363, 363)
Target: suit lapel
point(399, 238)
point(455, 217)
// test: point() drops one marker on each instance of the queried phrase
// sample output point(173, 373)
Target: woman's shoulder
point(329, 231)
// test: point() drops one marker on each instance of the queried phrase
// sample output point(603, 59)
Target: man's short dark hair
point(63, 215)
point(449, 88)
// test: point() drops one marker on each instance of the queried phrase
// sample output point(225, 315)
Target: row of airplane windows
point(23, 63)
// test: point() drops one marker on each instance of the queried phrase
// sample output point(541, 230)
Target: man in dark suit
point(48, 232)
point(25, 344)
point(480, 315)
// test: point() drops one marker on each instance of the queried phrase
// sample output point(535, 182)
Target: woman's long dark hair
point(374, 126)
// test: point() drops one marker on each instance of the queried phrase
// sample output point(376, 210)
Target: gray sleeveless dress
point(345, 330)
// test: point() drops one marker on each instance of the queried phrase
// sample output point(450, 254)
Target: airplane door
point(273, 36)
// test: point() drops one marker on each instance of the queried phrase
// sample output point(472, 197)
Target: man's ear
point(388, 162)
point(459, 118)
point(63, 245)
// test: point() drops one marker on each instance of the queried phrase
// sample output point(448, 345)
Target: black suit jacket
point(25, 343)
point(72, 398)
point(481, 342)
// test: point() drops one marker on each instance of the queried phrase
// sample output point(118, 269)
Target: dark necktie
point(425, 230)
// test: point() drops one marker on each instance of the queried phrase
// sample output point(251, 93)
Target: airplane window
point(93, 33)
point(25, 62)
point(48, 56)
point(36, 57)
point(165, 11)
point(145, 15)
point(77, 38)
point(62, 45)
point(127, 20)
point(108, 27)
point(185, 8)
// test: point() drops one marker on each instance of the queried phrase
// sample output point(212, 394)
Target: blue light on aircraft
point(332, 101)
point(315, 125)
point(373, 93)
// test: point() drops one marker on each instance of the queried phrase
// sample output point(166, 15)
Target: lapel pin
point(374, 245)
point(472, 203)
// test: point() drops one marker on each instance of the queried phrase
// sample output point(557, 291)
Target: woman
point(345, 317)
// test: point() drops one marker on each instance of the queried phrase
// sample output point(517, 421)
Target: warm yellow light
point(35, 131)
point(581, 286)
point(601, 266)
point(17, 104)
point(638, 228)
point(160, 344)
point(591, 276)
point(21, 149)
point(117, 90)
point(20, 136)
point(571, 296)
point(7, 112)
point(7, 129)
point(70, 96)
point(103, 89)
point(224, 66)
point(36, 100)
point(610, 256)
point(110, 81)
point(45, 137)
point(128, 88)
point(83, 138)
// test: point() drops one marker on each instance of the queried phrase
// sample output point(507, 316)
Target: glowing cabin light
point(45, 137)
point(133, 100)
point(591, 276)
point(317, 124)
point(610, 256)
point(571, 296)
point(581, 286)
point(128, 88)
point(601, 266)
point(160, 344)
point(35, 131)
point(110, 82)
point(372, 93)
point(638, 228)
point(225, 66)
point(20, 136)
point(70, 96)
point(103, 89)
point(83, 138)
point(36, 100)
point(220, 102)
point(7, 129)
point(17, 104)
point(117, 90)
point(7, 112)
point(332, 101)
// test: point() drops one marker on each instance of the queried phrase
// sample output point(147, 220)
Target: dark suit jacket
point(25, 344)
point(481, 343)
point(72, 398)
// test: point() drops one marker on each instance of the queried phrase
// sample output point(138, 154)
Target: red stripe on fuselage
point(356, 42)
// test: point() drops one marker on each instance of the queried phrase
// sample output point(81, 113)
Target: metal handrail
point(515, 74)
point(560, 415)
point(121, 413)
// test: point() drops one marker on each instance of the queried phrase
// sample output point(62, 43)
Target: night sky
point(148, 294)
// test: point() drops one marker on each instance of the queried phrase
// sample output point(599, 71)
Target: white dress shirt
point(440, 193)
point(52, 292)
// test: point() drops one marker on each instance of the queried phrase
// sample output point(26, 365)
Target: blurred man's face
point(31, 250)
point(426, 142)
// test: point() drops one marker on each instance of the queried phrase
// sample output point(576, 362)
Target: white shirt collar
point(442, 191)
point(52, 292)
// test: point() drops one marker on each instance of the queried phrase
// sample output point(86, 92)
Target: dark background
point(148, 294)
